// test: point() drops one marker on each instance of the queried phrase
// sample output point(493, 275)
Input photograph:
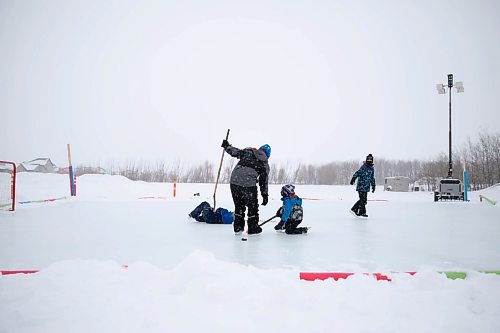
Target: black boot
point(253, 225)
point(238, 224)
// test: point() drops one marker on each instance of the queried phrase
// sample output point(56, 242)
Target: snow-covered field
point(185, 276)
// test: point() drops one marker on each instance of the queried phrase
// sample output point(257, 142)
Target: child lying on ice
point(204, 213)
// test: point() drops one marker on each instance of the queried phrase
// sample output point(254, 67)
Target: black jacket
point(252, 167)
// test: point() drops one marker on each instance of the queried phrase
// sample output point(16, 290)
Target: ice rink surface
point(113, 218)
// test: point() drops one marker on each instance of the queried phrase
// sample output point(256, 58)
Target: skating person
point(291, 212)
point(252, 168)
point(366, 177)
point(205, 213)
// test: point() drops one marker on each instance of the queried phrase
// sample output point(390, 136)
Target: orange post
point(175, 187)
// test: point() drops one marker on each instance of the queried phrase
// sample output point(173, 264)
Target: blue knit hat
point(267, 149)
point(227, 216)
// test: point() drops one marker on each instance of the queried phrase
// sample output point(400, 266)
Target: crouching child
point(205, 213)
point(291, 213)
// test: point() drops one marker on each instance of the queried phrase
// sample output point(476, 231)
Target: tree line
point(481, 158)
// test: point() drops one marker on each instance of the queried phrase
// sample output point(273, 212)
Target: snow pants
point(202, 213)
point(292, 229)
point(360, 206)
point(243, 198)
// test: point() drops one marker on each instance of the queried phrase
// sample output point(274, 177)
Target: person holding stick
point(252, 168)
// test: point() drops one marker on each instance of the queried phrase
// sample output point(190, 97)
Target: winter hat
point(369, 159)
point(227, 216)
point(287, 190)
point(267, 149)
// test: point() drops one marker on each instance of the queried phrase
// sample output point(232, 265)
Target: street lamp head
point(459, 86)
point(440, 88)
point(450, 80)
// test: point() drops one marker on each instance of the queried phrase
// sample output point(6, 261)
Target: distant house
point(397, 184)
point(426, 184)
point(37, 165)
point(84, 170)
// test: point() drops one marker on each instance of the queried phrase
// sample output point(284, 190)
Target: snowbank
point(205, 294)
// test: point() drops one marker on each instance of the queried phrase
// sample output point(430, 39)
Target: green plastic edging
point(481, 197)
point(463, 275)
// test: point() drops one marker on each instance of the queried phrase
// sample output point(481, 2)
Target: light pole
point(441, 88)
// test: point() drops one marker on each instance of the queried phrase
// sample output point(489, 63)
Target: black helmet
point(287, 190)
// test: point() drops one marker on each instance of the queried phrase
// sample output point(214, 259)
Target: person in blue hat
point(252, 169)
point(205, 213)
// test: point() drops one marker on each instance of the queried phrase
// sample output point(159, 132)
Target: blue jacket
point(217, 217)
point(288, 203)
point(204, 213)
point(366, 177)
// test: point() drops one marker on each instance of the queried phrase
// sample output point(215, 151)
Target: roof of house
point(31, 165)
point(39, 161)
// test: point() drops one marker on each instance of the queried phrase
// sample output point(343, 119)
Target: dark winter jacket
point(212, 217)
point(204, 213)
point(286, 210)
point(366, 178)
point(252, 167)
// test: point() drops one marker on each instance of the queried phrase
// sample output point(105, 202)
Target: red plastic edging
point(312, 276)
point(31, 271)
point(27, 271)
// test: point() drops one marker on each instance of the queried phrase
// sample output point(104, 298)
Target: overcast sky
point(319, 81)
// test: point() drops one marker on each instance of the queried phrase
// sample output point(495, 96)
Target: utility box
point(397, 184)
point(449, 189)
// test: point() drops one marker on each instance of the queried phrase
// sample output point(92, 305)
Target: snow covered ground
point(185, 276)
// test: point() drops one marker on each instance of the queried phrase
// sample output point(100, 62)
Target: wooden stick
point(220, 166)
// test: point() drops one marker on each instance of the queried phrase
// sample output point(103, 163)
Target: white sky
point(317, 80)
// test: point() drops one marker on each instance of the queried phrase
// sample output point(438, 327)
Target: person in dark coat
point(366, 178)
point(252, 168)
point(291, 213)
point(205, 213)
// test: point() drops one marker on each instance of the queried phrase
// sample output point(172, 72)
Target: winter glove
point(353, 180)
point(279, 226)
point(373, 189)
point(265, 199)
point(279, 213)
point(225, 144)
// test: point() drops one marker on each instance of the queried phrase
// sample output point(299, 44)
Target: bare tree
point(482, 158)
point(227, 170)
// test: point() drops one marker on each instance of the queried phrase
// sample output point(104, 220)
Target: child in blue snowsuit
point(366, 177)
point(204, 213)
point(291, 213)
